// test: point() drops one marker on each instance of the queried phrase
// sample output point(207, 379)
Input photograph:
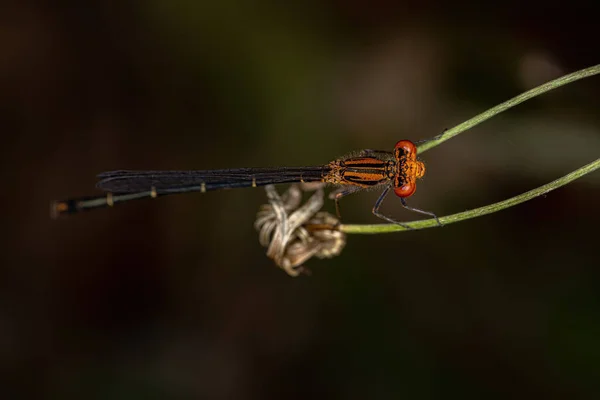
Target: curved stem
point(477, 212)
point(546, 87)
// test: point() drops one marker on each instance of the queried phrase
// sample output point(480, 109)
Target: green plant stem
point(450, 133)
point(477, 212)
point(546, 87)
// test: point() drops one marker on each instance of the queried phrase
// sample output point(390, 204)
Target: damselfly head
point(409, 168)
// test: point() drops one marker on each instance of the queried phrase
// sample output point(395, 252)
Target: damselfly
point(397, 171)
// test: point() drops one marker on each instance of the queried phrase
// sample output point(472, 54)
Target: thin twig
point(450, 133)
point(546, 87)
point(477, 212)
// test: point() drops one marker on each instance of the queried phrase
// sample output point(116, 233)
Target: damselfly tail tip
point(60, 207)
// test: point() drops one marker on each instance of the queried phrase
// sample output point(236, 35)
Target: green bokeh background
point(174, 298)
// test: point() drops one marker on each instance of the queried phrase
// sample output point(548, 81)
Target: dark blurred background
point(175, 298)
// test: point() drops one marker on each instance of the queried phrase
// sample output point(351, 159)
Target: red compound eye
point(407, 149)
point(405, 190)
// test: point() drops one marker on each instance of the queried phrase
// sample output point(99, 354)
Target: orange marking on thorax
point(365, 161)
point(365, 175)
